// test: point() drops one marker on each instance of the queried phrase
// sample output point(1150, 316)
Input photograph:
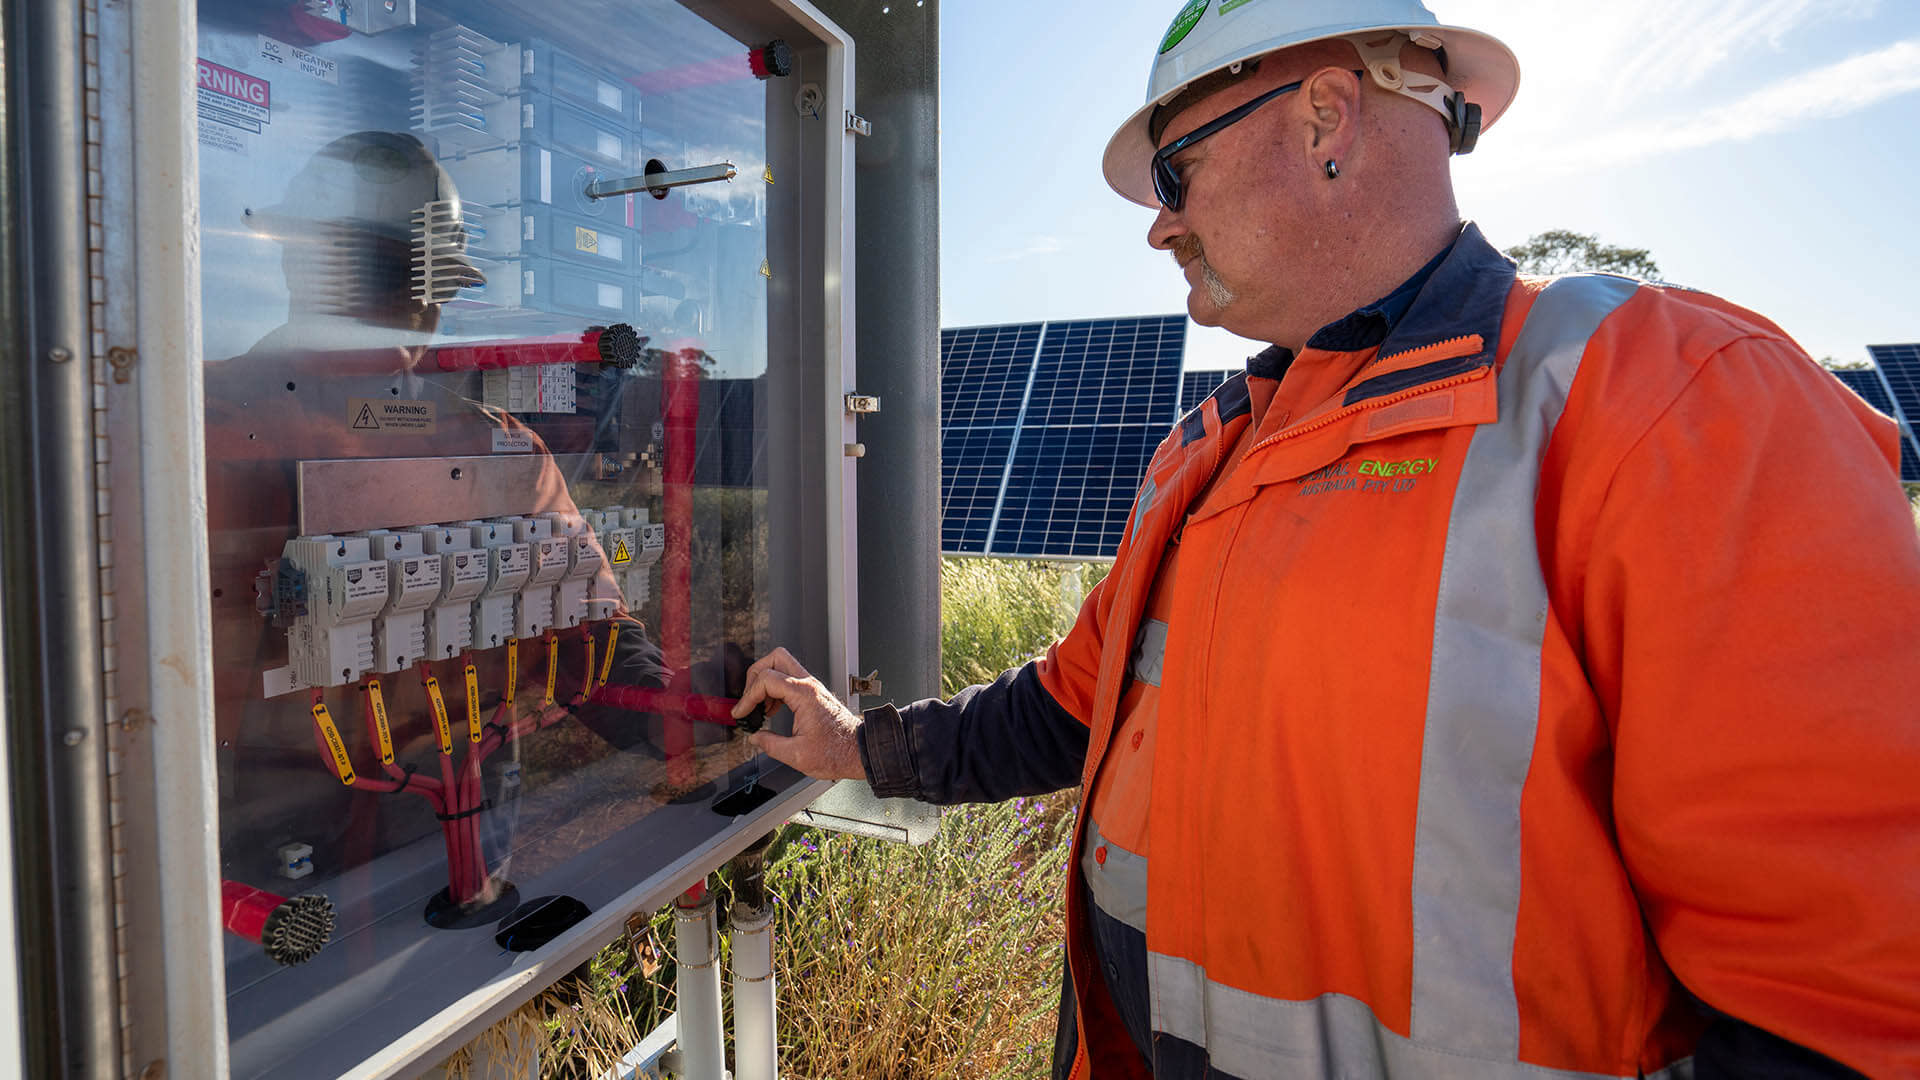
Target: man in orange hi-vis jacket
point(1504, 677)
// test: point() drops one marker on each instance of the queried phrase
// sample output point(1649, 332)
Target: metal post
point(756, 1051)
point(696, 954)
point(55, 675)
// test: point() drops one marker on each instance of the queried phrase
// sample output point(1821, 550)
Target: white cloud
point(1041, 245)
point(1807, 97)
point(1610, 84)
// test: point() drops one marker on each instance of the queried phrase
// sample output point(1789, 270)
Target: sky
point(1764, 150)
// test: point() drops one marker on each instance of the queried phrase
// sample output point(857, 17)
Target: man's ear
point(1333, 111)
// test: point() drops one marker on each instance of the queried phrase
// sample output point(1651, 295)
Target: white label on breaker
point(298, 59)
point(612, 296)
point(420, 575)
point(609, 146)
point(608, 94)
point(515, 559)
point(512, 442)
point(469, 568)
point(365, 580)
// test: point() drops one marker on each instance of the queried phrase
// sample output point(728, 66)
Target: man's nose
point(1166, 230)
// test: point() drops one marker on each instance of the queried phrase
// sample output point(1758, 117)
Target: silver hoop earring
point(1333, 169)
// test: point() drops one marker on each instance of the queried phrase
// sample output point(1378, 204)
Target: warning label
point(218, 136)
point(233, 98)
point(391, 416)
point(622, 553)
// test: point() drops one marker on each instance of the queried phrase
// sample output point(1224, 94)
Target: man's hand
point(822, 744)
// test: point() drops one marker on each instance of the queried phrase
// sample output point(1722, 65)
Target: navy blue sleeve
point(988, 743)
point(1735, 1050)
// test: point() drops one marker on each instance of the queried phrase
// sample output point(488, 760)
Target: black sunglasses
point(1167, 185)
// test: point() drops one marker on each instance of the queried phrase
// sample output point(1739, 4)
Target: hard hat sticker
point(1183, 24)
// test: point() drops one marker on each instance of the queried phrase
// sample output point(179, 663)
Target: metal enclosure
point(419, 413)
point(898, 204)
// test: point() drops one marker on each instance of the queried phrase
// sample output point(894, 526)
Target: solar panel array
point(1893, 387)
point(1046, 430)
point(1198, 386)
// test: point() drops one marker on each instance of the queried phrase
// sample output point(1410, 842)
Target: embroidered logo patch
point(1368, 476)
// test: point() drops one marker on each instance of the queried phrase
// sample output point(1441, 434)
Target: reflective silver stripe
point(1149, 649)
point(1119, 885)
point(1483, 698)
point(1144, 503)
point(1256, 1038)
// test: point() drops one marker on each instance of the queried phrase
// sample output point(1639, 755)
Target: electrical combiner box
point(487, 423)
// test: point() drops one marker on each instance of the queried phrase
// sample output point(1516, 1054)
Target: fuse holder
point(463, 577)
point(509, 564)
point(413, 583)
point(333, 643)
point(533, 610)
point(619, 545)
point(584, 561)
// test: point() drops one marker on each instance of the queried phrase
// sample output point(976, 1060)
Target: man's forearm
point(991, 742)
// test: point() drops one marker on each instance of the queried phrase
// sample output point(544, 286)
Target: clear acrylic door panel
point(488, 458)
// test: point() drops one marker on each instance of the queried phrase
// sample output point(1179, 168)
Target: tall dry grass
point(894, 962)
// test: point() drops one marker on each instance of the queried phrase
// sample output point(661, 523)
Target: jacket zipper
point(1375, 403)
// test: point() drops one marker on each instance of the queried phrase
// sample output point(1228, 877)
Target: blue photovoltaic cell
point(1869, 384)
point(1198, 386)
point(972, 462)
point(1078, 405)
point(983, 374)
point(983, 378)
point(1072, 488)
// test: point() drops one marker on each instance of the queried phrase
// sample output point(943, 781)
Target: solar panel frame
point(1877, 389)
point(1198, 386)
point(1899, 367)
point(1094, 397)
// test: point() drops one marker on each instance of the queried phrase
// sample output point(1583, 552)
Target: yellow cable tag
point(440, 724)
point(342, 764)
point(473, 704)
point(586, 683)
point(513, 667)
point(553, 669)
point(606, 664)
point(381, 730)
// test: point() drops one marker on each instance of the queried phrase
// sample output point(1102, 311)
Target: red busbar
point(618, 345)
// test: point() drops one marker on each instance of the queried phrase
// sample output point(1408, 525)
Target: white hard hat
point(1212, 35)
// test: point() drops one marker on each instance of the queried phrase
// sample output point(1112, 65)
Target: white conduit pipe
point(696, 954)
point(756, 1054)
